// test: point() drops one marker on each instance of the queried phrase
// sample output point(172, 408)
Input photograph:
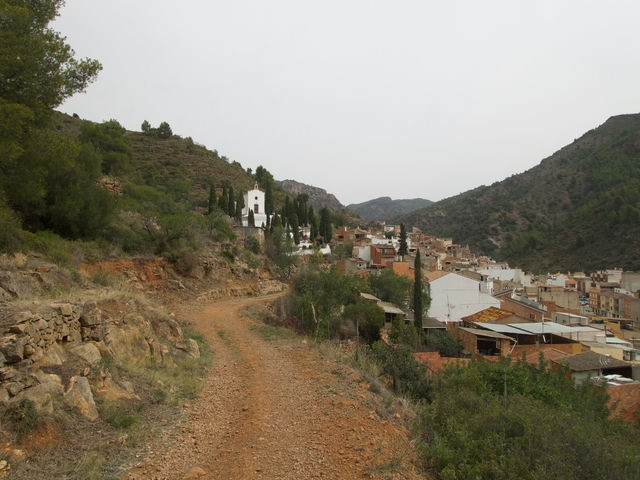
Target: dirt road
point(274, 408)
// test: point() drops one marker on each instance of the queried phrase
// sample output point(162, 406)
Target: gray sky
point(363, 98)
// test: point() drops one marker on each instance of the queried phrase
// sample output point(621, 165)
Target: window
point(256, 208)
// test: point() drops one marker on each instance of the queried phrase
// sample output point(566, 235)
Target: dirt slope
point(276, 409)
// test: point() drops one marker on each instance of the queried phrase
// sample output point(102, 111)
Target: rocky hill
point(318, 197)
point(384, 208)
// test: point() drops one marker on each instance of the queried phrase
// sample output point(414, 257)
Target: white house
point(503, 272)
point(254, 201)
point(454, 296)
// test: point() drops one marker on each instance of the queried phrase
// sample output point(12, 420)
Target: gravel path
point(276, 409)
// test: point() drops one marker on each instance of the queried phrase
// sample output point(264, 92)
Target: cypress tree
point(212, 199)
point(223, 201)
point(231, 207)
point(404, 249)
point(325, 225)
point(417, 295)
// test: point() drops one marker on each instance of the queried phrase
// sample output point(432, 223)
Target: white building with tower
point(254, 202)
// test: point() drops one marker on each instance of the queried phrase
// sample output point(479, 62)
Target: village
point(586, 322)
point(589, 323)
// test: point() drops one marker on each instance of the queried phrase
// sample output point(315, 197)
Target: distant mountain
point(318, 197)
point(579, 209)
point(383, 208)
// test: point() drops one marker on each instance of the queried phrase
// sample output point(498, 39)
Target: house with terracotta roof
point(493, 315)
point(454, 296)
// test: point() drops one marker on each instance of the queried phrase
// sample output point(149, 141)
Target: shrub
point(252, 244)
point(118, 415)
point(21, 417)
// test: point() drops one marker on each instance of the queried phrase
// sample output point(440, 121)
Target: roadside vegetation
point(475, 418)
point(76, 191)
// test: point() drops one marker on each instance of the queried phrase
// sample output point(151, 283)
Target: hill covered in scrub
point(384, 208)
point(579, 209)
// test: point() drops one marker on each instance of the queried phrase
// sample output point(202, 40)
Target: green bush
point(408, 376)
point(119, 415)
point(252, 244)
point(514, 420)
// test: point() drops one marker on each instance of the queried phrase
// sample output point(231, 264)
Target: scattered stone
point(194, 472)
point(88, 352)
point(12, 347)
point(190, 346)
point(4, 468)
point(80, 397)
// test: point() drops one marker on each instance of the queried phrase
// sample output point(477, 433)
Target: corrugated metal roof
point(368, 296)
point(485, 333)
point(390, 308)
point(497, 327)
point(586, 361)
point(540, 328)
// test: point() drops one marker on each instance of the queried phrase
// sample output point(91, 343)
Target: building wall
point(566, 300)
point(521, 310)
point(454, 296)
point(254, 200)
point(631, 281)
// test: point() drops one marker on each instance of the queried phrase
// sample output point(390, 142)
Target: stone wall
point(56, 353)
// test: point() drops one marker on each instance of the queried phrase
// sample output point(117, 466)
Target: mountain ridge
point(384, 208)
point(573, 210)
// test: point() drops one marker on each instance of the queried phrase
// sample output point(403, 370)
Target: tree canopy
point(37, 67)
point(48, 180)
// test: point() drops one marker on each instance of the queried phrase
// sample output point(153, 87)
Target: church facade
point(254, 202)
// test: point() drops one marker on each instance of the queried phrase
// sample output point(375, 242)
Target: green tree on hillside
point(266, 183)
point(212, 199)
point(418, 293)
point(403, 249)
point(38, 72)
point(164, 130)
point(37, 67)
point(110, 143)
point(325, 228)
point(231, 203)
point(390, 287)
point(367, 317)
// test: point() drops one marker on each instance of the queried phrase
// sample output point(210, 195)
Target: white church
point(254, 201)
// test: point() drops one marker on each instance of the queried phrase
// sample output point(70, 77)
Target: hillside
point(384, 208)
point(579, 209)
point(318, 197)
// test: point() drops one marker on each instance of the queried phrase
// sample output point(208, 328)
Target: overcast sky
point(363, 98)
